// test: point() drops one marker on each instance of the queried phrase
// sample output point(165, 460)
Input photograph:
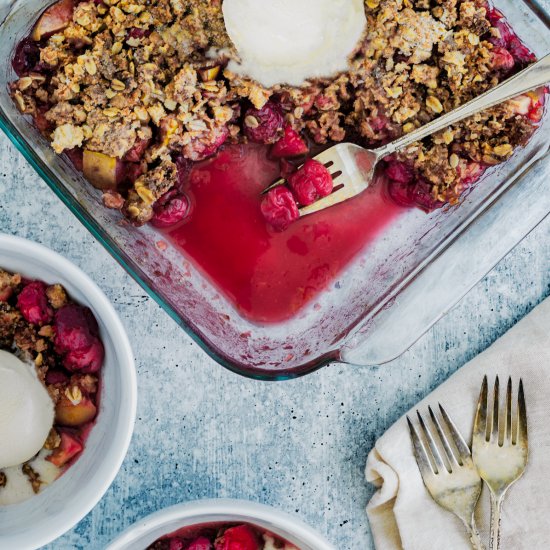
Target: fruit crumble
point(135, 91)
point(218, 536)
point(57, 341)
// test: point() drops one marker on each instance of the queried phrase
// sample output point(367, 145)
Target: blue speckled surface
point(204, 432)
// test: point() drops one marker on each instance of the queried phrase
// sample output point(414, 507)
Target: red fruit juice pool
point(269, 276)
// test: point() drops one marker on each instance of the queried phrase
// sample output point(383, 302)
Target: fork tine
point(461, 445)
point(480, 422)
point(443, 438)
point(507, 435)
point(438, 462)
point(496, 389)
point(424, 464)
point(522, 416)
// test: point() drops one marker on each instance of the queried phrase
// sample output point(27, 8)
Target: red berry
point(170, 209)
point(197, 150)
point(56, 377)
point(399, 171)
point(175, 544)
point(33, 304)
point(137, 151)
point(202, 543)
point(310, 182)
point(76, 157)
point(87, 360)
point(290, 145)
point(135, 32)
point(502, 59)
point(279, 208)
point(241, 537)
point(400, 192)
point(75, 328)
point(421, 194)
point(27, 56)
point(264, 125)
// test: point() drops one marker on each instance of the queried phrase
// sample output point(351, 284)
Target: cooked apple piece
point(101, 170)
point(209, 73)
point(54, 19)
point(70, 446)
point(74, 412)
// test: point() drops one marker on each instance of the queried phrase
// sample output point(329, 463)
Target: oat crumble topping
point(143, 81)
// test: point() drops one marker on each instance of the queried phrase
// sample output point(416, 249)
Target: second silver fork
point(499, 447)
point(452, 481)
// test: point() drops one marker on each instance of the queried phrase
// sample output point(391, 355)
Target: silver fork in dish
point(452, 481)
point(352, 167)
point(499, 447)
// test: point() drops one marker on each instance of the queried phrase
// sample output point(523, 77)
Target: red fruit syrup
point(268, 275)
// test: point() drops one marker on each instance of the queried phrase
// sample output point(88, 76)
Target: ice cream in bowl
point(67, 394)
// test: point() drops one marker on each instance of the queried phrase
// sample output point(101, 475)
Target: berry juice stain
point(269, 276)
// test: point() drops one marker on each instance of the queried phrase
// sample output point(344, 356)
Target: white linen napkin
point(402, 514)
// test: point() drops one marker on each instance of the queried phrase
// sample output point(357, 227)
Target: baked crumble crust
point(125, 72)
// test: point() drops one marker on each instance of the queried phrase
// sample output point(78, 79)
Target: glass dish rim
point(61, 191)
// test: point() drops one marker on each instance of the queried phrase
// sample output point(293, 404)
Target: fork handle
point(473, 533)
point(530, 78)
point(496, 507)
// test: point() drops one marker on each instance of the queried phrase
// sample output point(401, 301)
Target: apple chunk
point(54, 19)
point(102, 171)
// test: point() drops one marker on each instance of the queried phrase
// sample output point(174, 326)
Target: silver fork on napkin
point(352, 167)
point(499, 447)
point(452, 480)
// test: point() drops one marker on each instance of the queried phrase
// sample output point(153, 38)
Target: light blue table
point(204, 432)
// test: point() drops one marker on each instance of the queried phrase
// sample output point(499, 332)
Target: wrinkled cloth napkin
point(402, 514)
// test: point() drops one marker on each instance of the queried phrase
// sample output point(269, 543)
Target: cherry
point(170, 209)
point(202, 543)
point(27, 56)
point(264, 125)
point(241, 537)
point(310, 182)
point(290, 145)
point(399, 171)
point(279, 208)
point(33, 303)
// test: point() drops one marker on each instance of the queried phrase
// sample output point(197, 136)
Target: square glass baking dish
point(417, 268)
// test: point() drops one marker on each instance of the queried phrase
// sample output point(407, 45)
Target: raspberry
point(27, 56)
point(33, 304)
point(279, 208)
point(290, 145)
point(241, 537)
point(202, 543)
point(502, 59)
point(264, 125)
point(310, 182)
point(399, 171)
point(170, 209)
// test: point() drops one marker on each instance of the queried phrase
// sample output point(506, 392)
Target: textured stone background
point(204, 432)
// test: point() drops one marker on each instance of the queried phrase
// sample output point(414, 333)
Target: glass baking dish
point(414, 271)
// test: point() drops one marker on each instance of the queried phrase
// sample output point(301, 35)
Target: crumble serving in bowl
point(43, 330)
point(61, 325)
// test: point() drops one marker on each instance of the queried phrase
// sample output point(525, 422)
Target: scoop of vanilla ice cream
point(291, 41)
point(26, 411)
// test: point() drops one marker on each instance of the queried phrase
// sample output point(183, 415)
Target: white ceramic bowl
point(60, 506)
point(146, 531)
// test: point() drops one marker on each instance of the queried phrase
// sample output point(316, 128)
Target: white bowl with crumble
point(67, 398)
